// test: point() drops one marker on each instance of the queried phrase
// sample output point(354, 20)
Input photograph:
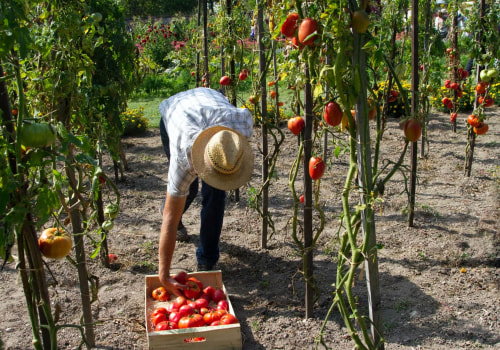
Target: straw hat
point(222, 158)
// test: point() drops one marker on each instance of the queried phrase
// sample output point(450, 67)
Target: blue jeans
point(212, 212)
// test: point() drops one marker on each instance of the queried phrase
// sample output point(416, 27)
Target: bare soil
point(439, 280)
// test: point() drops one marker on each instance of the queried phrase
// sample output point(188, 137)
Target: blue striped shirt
point(185, 115)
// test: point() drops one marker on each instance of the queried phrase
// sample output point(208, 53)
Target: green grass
point(150, 106)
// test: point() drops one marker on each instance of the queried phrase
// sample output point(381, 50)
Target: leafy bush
point(134, 122)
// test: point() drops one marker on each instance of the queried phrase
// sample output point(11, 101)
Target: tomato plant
point(316, 168)
point(55, 243)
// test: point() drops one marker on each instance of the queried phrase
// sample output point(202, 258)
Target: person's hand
point(173, 286)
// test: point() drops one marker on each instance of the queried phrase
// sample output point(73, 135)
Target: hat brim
point(214, 178)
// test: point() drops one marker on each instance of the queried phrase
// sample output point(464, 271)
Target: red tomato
point(193, 290)
point(194, 320)
point(296, 44)
point(316, 167)
point(160, 294)
point(473, 120)
point(332, 114)
point(225, 80)
point(243, 75)
point(447, 83)
point(290, 25)
point(55, 243)
point(112, 258)
point(481, 129)
point(197, 281)
point(307, 28)
point(158, 311)
point(174, 317)
point(181, 277)
point(301, 199)
point(157, 318)
point(186, 310)
point(178, 302)
point(295, 125)
point(223, 305)
point(204, 310)
point(271, 83)
point(228, 319)
point(213, 315)
point(481, 87)
point(254, 99)
point(273, 94)
point(209, 290)
point(412, 130)
point(215, 323)
point(453, 117)
point(488, 101)
point(165, 326)
point(201, 303)
point(218, 295)
point(280, 104)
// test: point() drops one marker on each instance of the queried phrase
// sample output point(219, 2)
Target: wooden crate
point(217, 337)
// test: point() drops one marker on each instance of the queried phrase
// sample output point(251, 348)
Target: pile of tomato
point(200, 306)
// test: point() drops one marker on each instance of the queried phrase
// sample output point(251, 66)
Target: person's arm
point(172, 213)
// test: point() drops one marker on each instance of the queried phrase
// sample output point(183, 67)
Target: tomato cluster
point(200, 306)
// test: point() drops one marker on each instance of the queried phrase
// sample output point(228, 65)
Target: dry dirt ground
point(439, 280)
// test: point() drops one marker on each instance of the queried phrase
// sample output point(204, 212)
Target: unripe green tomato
point(96, 16)
point(111, 210)
point(492, 73)
point(108, 225)
point(484, 76)
point(37, 135)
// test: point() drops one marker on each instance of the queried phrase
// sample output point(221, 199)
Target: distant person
point(252, 31)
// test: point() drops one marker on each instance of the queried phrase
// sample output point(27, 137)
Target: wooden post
point(414, 108)
point(263, 106)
